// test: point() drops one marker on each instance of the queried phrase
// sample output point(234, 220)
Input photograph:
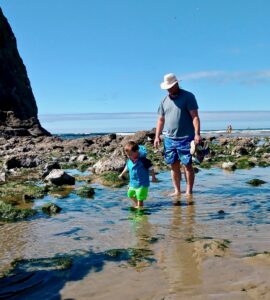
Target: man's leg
point(176, 177)
point(190, 178)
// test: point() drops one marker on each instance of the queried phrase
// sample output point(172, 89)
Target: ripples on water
point(224, 206)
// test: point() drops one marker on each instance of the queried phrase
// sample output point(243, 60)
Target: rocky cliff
point(18, 109)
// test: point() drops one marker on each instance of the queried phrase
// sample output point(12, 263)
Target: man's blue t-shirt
point(178, 121)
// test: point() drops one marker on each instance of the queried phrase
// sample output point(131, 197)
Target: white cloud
point(249, 78)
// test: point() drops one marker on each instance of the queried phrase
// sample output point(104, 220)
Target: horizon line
point(152, 112)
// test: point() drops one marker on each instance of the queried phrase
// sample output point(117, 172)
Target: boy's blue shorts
point(177, 149)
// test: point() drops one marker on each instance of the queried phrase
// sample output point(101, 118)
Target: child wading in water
point(138, 167)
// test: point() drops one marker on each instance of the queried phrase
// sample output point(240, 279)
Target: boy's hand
point(120, 176)
point(154, 179)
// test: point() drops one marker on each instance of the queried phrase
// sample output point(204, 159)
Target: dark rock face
point(18, 109)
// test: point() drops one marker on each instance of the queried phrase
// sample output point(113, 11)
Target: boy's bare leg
point(134, 201)
point(176, 177)
point(190, 178)
point(139, 204)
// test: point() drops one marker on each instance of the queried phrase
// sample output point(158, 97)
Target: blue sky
point(110, 56)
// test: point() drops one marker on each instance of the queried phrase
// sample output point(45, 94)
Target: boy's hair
point(132, 146)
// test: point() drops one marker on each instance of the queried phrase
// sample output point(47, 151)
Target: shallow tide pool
point(170, 263)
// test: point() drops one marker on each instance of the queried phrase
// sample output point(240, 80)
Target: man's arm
point(197, 126)
point(159, 128)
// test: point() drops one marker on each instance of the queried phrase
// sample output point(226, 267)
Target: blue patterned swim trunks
point(177, 149)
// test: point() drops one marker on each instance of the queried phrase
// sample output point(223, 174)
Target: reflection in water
point(181, 266)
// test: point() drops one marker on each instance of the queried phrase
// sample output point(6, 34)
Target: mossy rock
point(256, 182)
point(263, 164)
point(10, 213)
point(85, 192)
point(134, 256)
point(206, 165)
point(83, 166)
point(111, 179)
point(193, 239)
point(16, 191)
point(244, 164)
point(85, 178)
point(258, 253)
point(51, 209)
point(60, 191)
point(69, 165)
point(38, 264)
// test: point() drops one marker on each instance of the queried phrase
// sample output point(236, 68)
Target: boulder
point(31, 161)
point(228, 166)
point(59, 177)
point(116, 162)
point(139, 137)
point(81, 158)
point(49, 167)
point(239, 150)
point(2, 177)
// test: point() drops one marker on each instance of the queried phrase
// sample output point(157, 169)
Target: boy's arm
point(153, 174)
point(123, 172)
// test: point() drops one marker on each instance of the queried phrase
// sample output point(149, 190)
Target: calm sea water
point(131, 122)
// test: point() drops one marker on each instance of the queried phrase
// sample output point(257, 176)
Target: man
point(179, 110)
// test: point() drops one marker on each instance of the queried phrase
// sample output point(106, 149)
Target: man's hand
point(197, 139)
point(157, 142)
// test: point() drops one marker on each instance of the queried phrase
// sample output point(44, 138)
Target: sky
point(86, 56)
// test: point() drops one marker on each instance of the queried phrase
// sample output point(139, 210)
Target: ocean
point(102, 123)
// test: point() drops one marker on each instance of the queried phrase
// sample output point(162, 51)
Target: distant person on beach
point(138, 167)
point(179, 111)
point(229, 129)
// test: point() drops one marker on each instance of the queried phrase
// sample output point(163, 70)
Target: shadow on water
point(45, 276)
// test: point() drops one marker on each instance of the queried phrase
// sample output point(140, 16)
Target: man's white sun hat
point(169, 81)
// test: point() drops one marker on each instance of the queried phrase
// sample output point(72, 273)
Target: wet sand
point(198, 250)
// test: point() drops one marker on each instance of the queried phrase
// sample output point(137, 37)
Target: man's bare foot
point(175, 194)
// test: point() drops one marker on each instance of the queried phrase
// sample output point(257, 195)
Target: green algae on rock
point(21, 191)
point(134, 256)
point(111, 179)
point(10, 213)
point(51, 208)
point(85, 192)
point(256, 182)
point(39, 264)
point(207, 246)
point(60, 191)
point(267, 253)
point(244, 163)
